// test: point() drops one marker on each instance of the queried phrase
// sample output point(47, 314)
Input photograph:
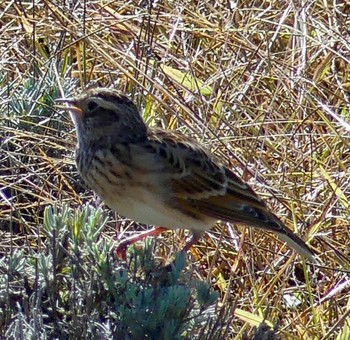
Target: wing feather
point(201, 185)
point(197, 174)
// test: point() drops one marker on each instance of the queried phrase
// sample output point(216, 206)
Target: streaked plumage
point(160, 177)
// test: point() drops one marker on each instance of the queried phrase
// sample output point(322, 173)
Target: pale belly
point(149, 210)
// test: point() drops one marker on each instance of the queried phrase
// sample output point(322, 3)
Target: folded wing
point(201, 184)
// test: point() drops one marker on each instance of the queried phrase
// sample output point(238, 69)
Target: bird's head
point(105, 115)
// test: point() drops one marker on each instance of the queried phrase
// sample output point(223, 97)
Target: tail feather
point(263, 219)
point(297, 244)
point(268, 221)
point(254, 215)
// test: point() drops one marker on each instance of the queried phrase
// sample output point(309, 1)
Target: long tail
point(293, 241)
point(264, 219)
point(257, 216)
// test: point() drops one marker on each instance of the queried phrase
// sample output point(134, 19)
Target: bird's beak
point(71, 104)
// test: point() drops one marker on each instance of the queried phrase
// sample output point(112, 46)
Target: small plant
point(74, 288)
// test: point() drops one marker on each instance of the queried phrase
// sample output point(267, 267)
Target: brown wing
point(197, 177)
point(201, 184)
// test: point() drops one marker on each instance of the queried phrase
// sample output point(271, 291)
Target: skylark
point(160, 177)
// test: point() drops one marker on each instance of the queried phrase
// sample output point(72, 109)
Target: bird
point(161, 177)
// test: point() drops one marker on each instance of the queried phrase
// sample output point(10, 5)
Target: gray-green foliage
point(71, 287)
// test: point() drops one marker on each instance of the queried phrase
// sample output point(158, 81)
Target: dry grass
point(265, 85)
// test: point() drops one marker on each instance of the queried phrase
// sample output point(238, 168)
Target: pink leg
point(121, 249)
point(196, 235)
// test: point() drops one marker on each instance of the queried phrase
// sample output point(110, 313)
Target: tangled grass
point(265, 85)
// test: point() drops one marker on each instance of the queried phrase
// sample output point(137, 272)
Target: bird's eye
point(92, 106)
